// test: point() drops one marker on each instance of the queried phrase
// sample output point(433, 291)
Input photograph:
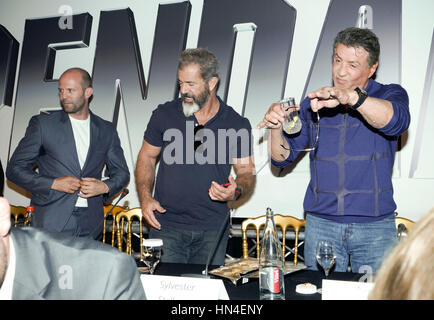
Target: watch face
point(360, 91)
point(362, 97)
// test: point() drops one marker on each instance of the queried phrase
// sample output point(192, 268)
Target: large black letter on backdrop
point(118, 57)
point(8, 66)
point(36, 90)
point(275, 21)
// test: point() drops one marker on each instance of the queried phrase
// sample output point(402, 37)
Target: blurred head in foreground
point(408, 272)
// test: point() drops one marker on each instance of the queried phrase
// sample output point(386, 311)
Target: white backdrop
point(413, 193)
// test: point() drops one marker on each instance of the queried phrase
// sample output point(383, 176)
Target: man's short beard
point(75, 109)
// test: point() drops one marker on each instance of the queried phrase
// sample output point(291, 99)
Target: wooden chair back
point(128, 216)
point(284, 222)
point(16, 212)
point(113, 213)
point(403, 221)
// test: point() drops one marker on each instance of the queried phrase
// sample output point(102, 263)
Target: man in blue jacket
point(351, 130)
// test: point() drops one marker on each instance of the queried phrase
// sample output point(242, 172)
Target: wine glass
point(326, 255)
point(152, 253)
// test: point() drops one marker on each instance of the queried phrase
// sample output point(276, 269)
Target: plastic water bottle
point(30, 210)
point(271, 265)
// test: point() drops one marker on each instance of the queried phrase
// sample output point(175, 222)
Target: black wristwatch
point(362, 97)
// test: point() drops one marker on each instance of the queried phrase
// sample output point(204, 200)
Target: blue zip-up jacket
point(351, 166)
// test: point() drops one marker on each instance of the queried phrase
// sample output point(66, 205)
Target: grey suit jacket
point(49, 142)
point(52, 265)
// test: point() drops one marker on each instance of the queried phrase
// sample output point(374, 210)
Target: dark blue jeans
point(363, 245)
point(190, 246)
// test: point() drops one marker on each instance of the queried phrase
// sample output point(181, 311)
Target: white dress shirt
point(81, 130)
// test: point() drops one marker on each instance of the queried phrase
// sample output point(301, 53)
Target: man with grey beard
point(200, 139)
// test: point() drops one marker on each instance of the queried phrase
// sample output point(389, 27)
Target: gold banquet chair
point(129, 215)
point(16, 212)
point(408, 224)
point(114, 212)
point(280, 221)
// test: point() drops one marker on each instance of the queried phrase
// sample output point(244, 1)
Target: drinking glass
point(152, 253)
point(326, 255)
point(292, 123)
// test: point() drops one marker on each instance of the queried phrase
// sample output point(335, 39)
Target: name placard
point(345, 290)
point(183, 288)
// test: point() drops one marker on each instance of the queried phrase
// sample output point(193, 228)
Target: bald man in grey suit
point(37, 264)
point(71, 148)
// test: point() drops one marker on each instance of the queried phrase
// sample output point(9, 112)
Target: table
point(250, 290)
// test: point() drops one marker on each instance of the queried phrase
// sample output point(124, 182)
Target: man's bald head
point(86, 80)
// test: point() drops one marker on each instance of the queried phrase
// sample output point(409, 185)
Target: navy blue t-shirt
point(185, 175)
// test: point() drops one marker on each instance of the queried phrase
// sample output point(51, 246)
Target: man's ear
point(5, 217)
point(88, 92)
point(212, 83)
point(373, 69)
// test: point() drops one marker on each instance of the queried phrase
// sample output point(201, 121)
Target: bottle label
point(272, 279)
point(276, 286)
